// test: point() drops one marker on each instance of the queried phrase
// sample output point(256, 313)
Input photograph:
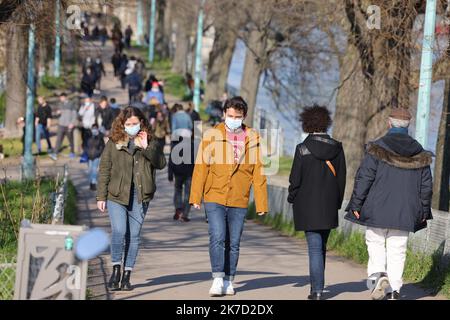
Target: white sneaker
point(216, 288)
point(380, 286)
point(228, 288)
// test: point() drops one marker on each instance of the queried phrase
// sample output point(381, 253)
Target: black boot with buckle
point(114, 281)
point(126, 285)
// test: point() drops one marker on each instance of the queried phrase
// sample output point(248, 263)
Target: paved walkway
point(173, 262)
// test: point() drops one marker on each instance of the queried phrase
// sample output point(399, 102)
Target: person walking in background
point(125, 187)
point(103, 35)
point(190, 83)
point(115, 61)
point(99, 71)
point(161, 128)
point(43, 122)
point(95, 147)
point(21, 124)
point(181, 123)
point(140, 68)
point(88, 82)
point(67, 121)
point(192, 112)
point(104, 116)
point(87, 114)
point(128, 35)
point(95, 33)
point(122, 71)
point(141, 105)
point(155, 92)
point(117, 36)
point(182, 167)
point(215, 112)
point(87, 64)
point(134, 86)
point(316, 190)
point(228, 164)
point(391, 197)
point(114, 105)
point(149, 83)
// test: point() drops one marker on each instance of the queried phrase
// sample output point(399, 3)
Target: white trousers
point(387, 253)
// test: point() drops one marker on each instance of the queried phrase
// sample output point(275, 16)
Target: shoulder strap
point(330, 165)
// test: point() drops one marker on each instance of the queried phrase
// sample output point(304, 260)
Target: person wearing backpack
point(316, 190)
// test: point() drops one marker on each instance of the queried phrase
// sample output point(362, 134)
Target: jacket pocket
point(115, 185)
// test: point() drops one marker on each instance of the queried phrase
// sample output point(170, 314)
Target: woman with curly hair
point(316, 190)
point(126, 185)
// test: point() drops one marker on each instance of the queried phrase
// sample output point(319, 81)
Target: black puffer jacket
point(393, 185)
point(96, 145)
point(315, 192)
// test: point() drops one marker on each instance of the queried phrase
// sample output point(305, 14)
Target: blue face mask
point(94, 132)
point(233, 124)
point(133, 130)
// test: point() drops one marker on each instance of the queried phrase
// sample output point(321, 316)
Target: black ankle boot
point(114, 281)
point(126, 285)
point(315, 296)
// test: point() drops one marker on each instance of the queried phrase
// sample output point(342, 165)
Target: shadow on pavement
point(269, 282)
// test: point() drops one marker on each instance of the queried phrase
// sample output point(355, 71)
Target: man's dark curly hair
point(237, 103)
point(315, 119)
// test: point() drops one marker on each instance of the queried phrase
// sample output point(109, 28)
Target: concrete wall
point(436, 236)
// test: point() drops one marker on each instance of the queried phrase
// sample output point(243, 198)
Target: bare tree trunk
point(256, 48)
point(219, 63)
point(163, 29)
point(441, 196)
point(181, 51)
point(16, 76)
point(349, 118)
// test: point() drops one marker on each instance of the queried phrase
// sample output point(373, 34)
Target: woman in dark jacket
point(316, 190)
point(126, 185)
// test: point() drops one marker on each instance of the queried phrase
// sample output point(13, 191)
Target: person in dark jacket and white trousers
point(316, 190)
point(391, 197)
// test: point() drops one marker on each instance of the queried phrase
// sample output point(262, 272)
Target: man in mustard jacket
point(228, 163)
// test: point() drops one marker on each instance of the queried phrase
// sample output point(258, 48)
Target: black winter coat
point(96, 145)
point(393, 185)
point(315, 192)
point(182, 165)
point(108, 115)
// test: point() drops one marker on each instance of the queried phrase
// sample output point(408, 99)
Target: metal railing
point(7, 277)
point(59, 199)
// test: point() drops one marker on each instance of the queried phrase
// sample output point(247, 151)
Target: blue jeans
point(93, 170)
point(317, 246)
point(42, 130)
point(126, 225)
point(225, 226)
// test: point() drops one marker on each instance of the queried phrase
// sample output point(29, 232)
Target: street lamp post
point(151, 45)
point(198, 58)
point(56, 71)
point(140, 23)
point(28, 164)
point(426, 72)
